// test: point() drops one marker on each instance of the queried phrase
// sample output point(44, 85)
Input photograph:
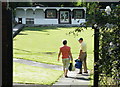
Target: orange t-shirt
point(65, 51)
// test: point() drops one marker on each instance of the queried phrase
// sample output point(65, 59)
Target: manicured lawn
point(42, 44)
point(34, 75)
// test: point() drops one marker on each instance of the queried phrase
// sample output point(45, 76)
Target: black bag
point(70, 67)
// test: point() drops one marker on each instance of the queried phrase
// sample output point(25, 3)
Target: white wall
point(39, 13)
point(16, 19)
point(24, 20)
point(75, 21)
point(50, 21)
point(39, 17)
point(20, 13)
point(46, 21)
point(29, 13)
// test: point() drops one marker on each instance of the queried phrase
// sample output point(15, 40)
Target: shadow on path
point(74, 79)
point(79, 78)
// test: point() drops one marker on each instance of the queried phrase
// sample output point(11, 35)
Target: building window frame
point(46, 13)
point(69, 16)
point(76, 10)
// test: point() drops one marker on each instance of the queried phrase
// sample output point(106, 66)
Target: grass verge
point(42, 44)
point(34, 75)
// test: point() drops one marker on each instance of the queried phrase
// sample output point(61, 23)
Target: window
point(29, 20)
point(51, 13)
point(78, 14)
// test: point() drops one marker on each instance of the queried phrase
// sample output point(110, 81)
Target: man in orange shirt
point(66, 55)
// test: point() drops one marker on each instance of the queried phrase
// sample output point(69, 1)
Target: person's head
point(80, 40)
point(64, 42)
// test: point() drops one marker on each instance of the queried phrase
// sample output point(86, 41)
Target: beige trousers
point(83, 58)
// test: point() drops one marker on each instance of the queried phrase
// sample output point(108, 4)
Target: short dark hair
point(81, 39)
point(64, 42)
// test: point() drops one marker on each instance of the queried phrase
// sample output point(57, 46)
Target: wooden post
point(7, 48)
point(96, 56)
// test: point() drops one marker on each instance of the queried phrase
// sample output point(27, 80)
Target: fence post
point(96, 56)
point(7, 48)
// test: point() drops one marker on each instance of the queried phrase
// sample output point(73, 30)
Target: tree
point(108, 24)
point(109, 59)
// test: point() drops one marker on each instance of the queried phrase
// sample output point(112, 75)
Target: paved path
point(29, 85)
point(73, 80)
point(33, 63)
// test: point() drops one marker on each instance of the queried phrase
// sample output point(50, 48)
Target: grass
point(91, 77)
point(42, 44)
point(34, 75)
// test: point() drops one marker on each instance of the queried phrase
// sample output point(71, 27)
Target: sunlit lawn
point(42, 44)
point(34, 75)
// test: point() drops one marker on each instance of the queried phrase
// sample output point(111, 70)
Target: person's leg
point(67, 66)
point(81, 58)
point(63, 61)
point(66, 71)
point(85, 64)
point(80, 71)
point(65, 74)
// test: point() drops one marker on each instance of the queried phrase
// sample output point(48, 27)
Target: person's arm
point(80, 51)
point(71, 56)
point(59, 55)
point(80, 54)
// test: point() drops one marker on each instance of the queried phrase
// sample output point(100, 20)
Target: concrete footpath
point(73, 80)
point(38, 64)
